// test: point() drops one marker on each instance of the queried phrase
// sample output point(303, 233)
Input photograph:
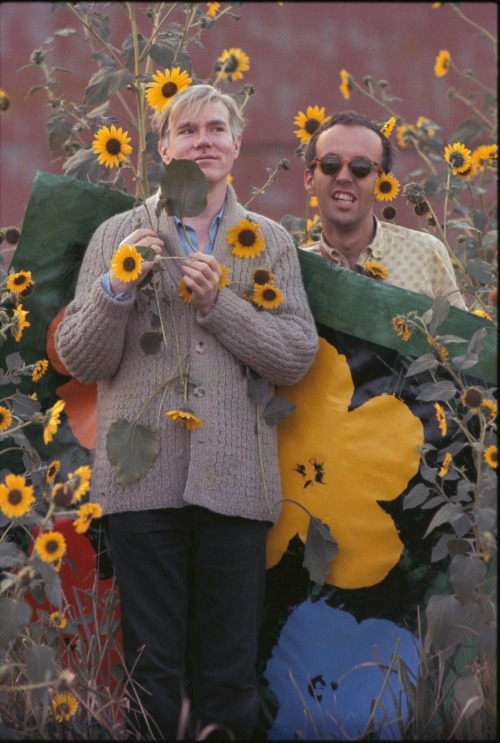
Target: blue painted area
point(330, 649)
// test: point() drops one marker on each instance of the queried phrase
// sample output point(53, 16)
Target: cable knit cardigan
point(217, 465)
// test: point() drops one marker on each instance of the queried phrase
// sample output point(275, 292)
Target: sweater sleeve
point(90, 338)
point(279, 344)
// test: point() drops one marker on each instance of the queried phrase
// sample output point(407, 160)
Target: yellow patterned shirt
point(413, 260)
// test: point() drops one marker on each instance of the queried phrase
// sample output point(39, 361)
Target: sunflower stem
point(261, 457)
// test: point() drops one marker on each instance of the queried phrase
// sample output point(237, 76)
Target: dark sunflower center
point(12, 235)
point(113, 146)
point(260, 277)
point(20, 280)
point(247, 238)
point(231, 64)
point(385, 187)
point(52, 546)
point(15, 497)
point(473, 398)
point(457, 159)
point(129, 263)
point(269, 295)
point(311, 125)
point(169, 89)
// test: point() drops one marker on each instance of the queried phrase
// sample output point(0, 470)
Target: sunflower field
point(62, 674)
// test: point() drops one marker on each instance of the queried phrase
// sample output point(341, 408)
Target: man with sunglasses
point(344, 158)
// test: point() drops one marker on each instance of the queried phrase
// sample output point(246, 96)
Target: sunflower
point(61, 495)
point(79, 482)
point(64, 707)
point(39, 370)
point(112, 146)
point(386, 187)
point(16, 497)
point(52, 421)
point(470, 173)
point(405, 136)
point(310, 121)
point(267, 296)
point(224, 276)
point(167, 83)
point(184, 291)
point(126, 263)
point(472, 398)
point(20, 322)
point(212, 9)
point(445, 465)
point(491, 456)
point(402, 328)
point(262, 276)
point(441, 418)
point(185, 418)
point(440, 351)
point(485, 155)
point(51, 546)
point(58, 620)
point(443, 63)
point(313, 202)
point(52, 471)
point(246, 239)
point(345, 84)
point(12, 235)
point(18, 282)
point(422, 122)
point(377, 270)
point(491, 407)
point(232, 63)
point(85, 514)
point(458, 157)
point(5, 418)
point(386, 129)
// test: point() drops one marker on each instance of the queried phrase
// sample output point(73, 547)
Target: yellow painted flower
point(50, 546)
point(421, 124)
point(441, 418)
point(39, 370)
point(5, 418)
point(126, 263)
point(52, 471)
point(167, 83)
point(485, 156)
point(345, 84)
point(402, 328)
point(232, 63)
point(64, 707)
point(405, 136)
point(377, 270)
point(224, 276)
point(481, 313)
point(262, 276)
point(267, 296)
point(386, 129)
point(20, 322)
point(79, 482)
point(491, 456)
point(185, 418)
point(58, 620)
point(212, 9)
point(458, 157)
point(19, 282)
point(386, 187)
point(112, 146)
point(445, 466)
point(246, 239)
point(443, 63)
point(16, 498)
point(85, 514)
point(184, 291)
point(310, 121)
point(53, 421)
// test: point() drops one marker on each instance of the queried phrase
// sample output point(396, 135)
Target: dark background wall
point(296, 51)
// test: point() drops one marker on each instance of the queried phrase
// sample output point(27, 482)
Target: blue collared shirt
point(185, 244)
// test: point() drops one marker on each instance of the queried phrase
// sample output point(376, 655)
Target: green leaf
point(449, 513)
point(480, 270)
point(151, 342)
point(434, 391)
point(465, 361)
point(51, 580)
point(164, 52)
point(277, 409)
point(423, 363)
point(105, 82)
point(59, 130)
point(10, 555)
point(132, 448)
point(84, 165)
point(183, 189)
point(320, 549)
point(440, 311)
point(41, 667)
point(466, 132)
point(14, 616)
point(469, 694)
point(416, 496)
point(467, 573)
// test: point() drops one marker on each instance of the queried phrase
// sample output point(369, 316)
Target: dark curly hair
point(352, 118)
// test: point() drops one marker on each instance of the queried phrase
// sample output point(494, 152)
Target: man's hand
point(202, 274)
point(146, 238)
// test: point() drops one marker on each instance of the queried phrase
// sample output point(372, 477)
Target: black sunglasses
point(359, 167)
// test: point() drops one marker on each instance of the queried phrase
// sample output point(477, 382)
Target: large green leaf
point(41, 666)
point(132, 448)
point(103, 83)
point(319, 551)
point(183, 189)
point(14, 616)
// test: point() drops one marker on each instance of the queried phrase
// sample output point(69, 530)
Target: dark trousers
point(191, 585)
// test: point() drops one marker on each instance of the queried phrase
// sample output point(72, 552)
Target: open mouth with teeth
point(344, 197)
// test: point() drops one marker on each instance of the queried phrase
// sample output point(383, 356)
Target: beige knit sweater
point(215, 466)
